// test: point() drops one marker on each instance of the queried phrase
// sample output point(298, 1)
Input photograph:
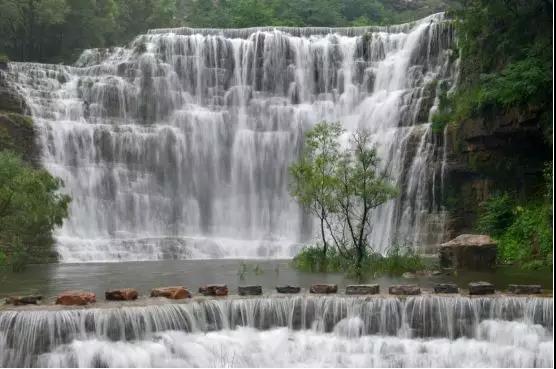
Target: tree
point(314, 175)
point(30, 208)
point(341, 187)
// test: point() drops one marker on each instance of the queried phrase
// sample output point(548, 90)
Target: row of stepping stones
point(180, 292)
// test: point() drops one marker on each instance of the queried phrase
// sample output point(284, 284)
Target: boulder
point(288, 289)
point(24, 300)
point(214, 290)
point(404, 289)
point(363, 289)
point(525, 289)
point(123, 294)
point(249, 290)
point(468, 251)
point(174, 293)
point(324, 288)
point(446, 288)
point(76, 298)
point(481, 288)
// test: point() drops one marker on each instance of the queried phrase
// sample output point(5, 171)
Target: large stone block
point(363, 289)
point(174, 293)
point(122, 294)
point(525, 289)
point(324, 288)
point(24, 300)
point(214, 290)
point(404, 290)
point(481, 288)
point(288, 289)
point(446, 288)
point(76, 298)
point(468, 251)
point(250, 290)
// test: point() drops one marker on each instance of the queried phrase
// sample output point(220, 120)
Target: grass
point(397, 261)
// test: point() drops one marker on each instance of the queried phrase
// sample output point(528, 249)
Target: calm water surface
point(50, 279)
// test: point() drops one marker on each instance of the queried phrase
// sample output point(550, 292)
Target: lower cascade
point(178, 145)
point(314, 331)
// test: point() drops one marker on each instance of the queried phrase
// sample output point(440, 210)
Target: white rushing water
point(248, 347)
point(300, 331)
point(178, 145)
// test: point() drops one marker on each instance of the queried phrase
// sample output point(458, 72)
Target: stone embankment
point(83, 298)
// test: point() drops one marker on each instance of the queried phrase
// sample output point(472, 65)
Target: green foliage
point(497, 214)
point(340, 186)
point(506, 58)
point(397, 261)
point(529, 237)
point(30, 208)
point(57, 30)
point(4, 58)
point(523, 231)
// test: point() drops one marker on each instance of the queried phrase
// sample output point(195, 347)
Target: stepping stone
point(122, 294)
point(525, 289)
point(481, 288)
point(214, 290)
point(324, 288)
point(363, 289)
point(24, 300)
point(404, 290)
point(446, 288)
point(174, 293)
point(288, 289)
point(76, 298)
point(250, 290)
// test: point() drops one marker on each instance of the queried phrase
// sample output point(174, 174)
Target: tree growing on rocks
point(30, 208)
point(341, 186)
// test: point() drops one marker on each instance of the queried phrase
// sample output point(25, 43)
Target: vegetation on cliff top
point(58, 30)
point(506, 60)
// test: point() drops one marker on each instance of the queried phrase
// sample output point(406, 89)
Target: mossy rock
point(18, 134)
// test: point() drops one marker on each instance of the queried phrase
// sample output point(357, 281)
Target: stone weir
point(25, 334)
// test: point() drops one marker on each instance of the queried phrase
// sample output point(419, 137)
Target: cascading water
point(178, 146)
point(424, 331)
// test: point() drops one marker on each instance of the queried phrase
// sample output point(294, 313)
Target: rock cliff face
point(489, 154)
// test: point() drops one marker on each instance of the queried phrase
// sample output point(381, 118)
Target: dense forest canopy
point(58, 30)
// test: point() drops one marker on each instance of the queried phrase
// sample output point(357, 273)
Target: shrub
point(397, 261)
point(497, 214)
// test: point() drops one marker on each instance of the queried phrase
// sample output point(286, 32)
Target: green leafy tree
point(30, 208)
point(341, 187)
point(314, 175)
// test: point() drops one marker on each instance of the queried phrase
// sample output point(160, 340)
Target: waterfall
point(178, 145)
point(381, 331)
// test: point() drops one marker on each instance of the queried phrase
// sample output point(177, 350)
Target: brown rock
point(525, 289)
point(123, 294)
point(469, 251)
point(363, 289)
point(404, 290)
point(24, 300)
point(324, 288)
point(174, 293)
point(481, 288)
point(76, 298)
point(214, 290)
